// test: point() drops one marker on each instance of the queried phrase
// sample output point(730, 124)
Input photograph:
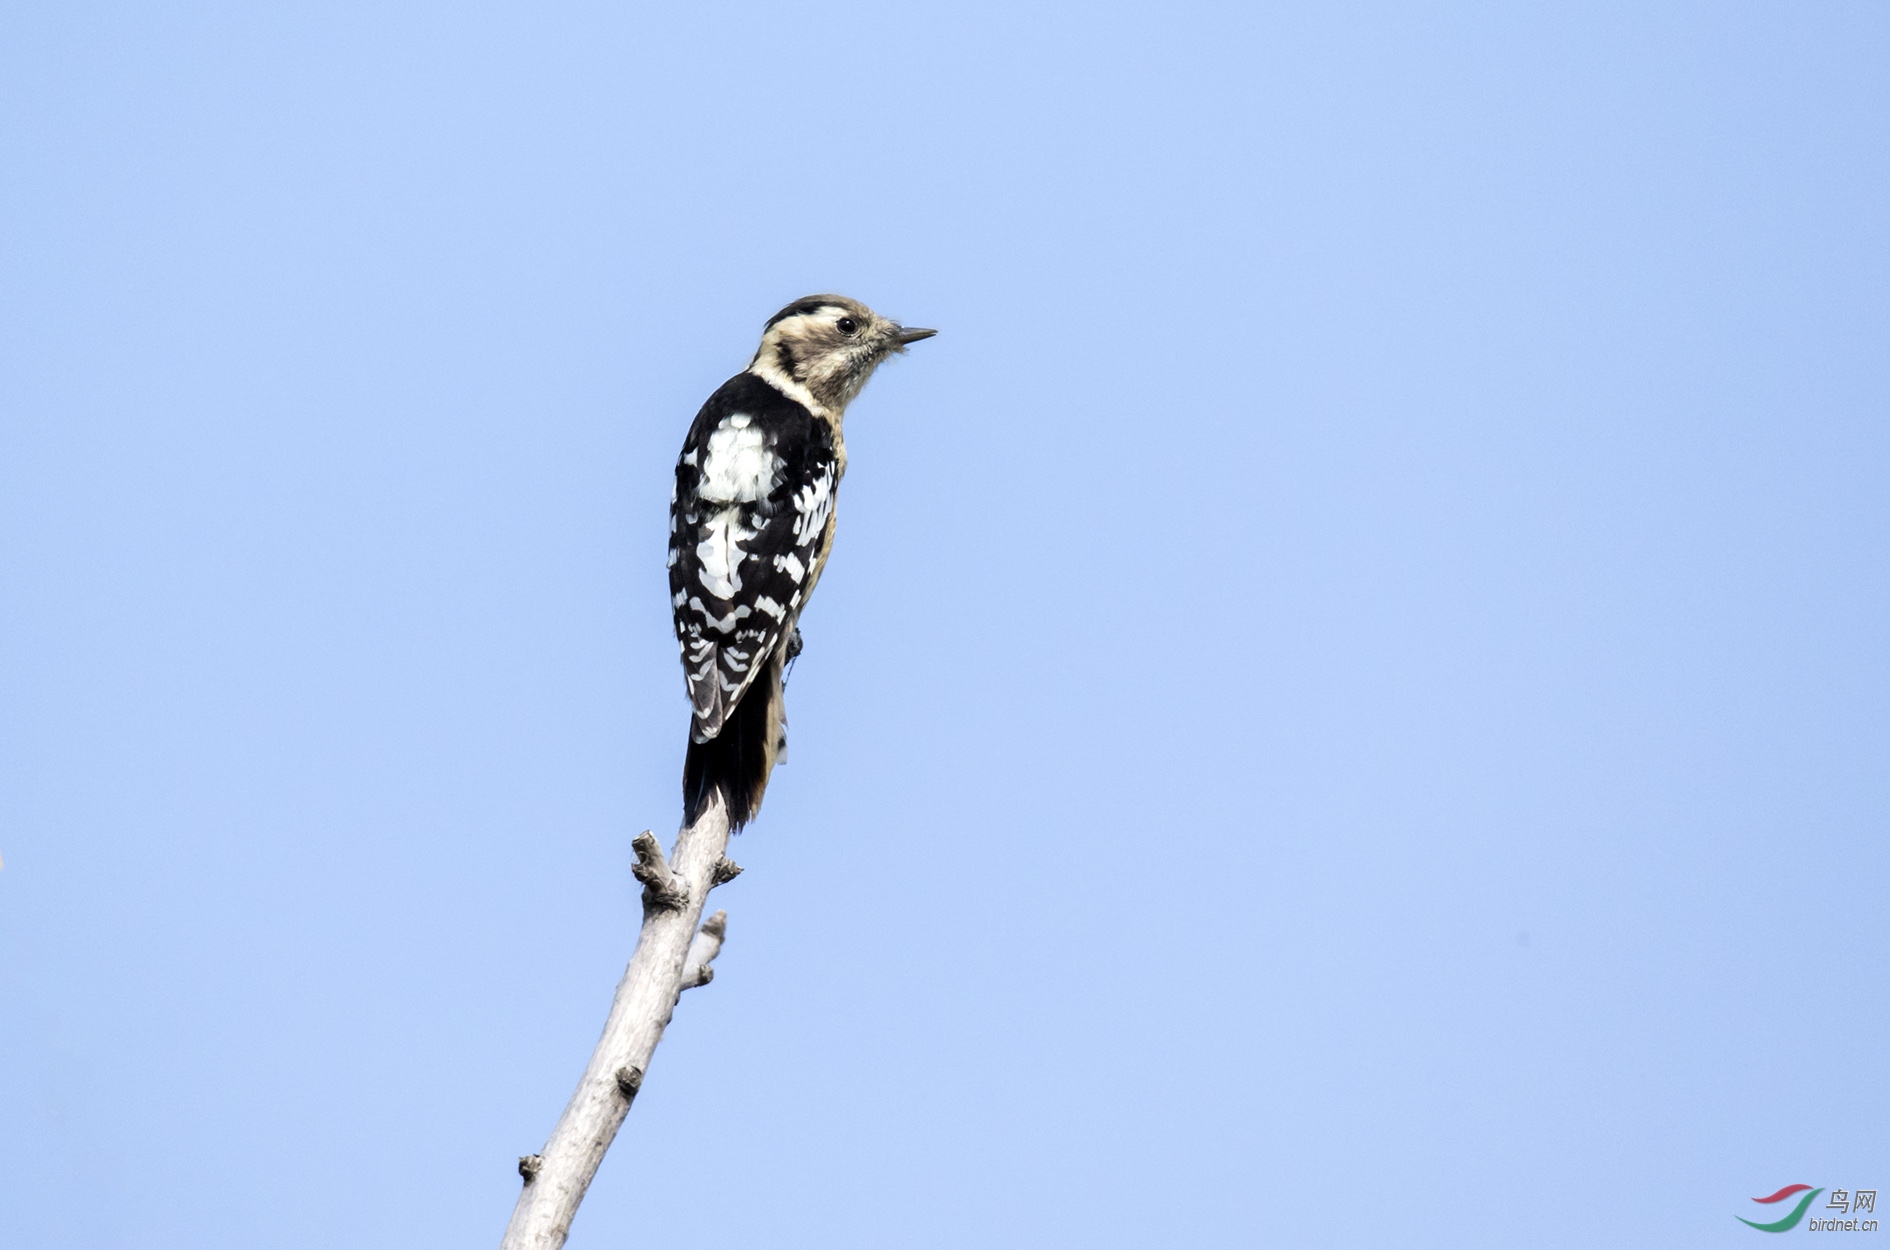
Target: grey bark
point(671, 955)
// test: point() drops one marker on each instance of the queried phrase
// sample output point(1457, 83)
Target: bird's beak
point(912, 336)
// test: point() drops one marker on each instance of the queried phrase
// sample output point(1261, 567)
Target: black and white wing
point(753, 502)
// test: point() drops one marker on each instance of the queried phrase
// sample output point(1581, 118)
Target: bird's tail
point(737, 761)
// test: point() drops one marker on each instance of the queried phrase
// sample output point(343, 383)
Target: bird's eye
point(847, 325)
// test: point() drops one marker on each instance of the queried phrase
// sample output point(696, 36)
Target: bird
point(751, 524)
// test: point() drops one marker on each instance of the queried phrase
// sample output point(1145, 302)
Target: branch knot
point(663, 890)
point(703, 949)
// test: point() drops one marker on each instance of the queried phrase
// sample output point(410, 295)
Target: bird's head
point(828, 346)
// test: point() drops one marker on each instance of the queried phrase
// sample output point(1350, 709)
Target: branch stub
point(662, 888)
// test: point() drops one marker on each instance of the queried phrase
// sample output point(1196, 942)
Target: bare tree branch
point(670, 956)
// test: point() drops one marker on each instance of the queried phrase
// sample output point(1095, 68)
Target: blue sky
point(1350, 706)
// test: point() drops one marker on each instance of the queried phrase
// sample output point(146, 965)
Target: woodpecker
point(751, 523)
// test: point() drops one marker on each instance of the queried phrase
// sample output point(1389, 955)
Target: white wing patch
point(721, 572)
point(740, 468)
